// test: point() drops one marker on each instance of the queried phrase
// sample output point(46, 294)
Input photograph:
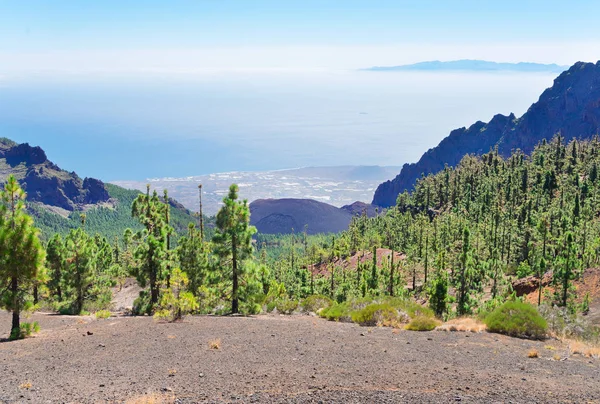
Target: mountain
point(474, 66)
point(44, 181)
point(56, 197)
point(570, 107)
point(280, 216)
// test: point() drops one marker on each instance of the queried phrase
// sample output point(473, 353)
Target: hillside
point(56, 197)
point(570, 107)
point(108, 220)
point(282, 216)
point(474, 66)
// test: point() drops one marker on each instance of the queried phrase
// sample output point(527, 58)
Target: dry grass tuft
point(464, 324)
point(581, 348)
point(214, 344)
point(171, 336)
point(25, 385)
point(152, 399)
point(550, 348)
point(533, 353)
point(172, 372)
point(556, 357)
point(395, 331)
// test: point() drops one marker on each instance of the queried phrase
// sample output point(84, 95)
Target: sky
point(177, 36)
point(105, 86)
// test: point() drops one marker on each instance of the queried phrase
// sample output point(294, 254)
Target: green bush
point(411, 308)
point(102, 314)
point(142, 305)
point(286, 305)
point(337, 312)
point(422, 323)
point(517, 319)
point(26, 330)
point(314, 303)
point(376, 314)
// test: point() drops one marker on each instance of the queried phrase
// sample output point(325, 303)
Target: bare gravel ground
point(281, 359)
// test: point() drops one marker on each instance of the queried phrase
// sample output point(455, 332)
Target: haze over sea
point(156, 125)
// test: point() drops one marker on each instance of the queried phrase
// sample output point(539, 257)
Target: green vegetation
point(517, 319)
point(108, 221)
point(102, 314)
point(21, 256)
point(450, 248)
point(314, 303)
point(375, 314)
point(175, 301)
point(422, 323)
point(233, 244)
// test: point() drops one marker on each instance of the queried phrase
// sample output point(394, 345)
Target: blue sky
point(219, 34)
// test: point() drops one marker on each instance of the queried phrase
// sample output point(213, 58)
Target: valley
point(220, 202)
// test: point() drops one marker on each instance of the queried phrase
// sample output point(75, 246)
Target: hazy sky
point(187, 36)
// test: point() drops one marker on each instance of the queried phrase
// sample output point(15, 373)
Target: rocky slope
point(44, 181)
point(570, 107)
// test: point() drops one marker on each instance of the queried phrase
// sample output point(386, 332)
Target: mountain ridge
point(473, 65)
point(55, 197)
point(570, 107)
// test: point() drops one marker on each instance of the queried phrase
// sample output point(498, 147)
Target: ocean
point(157, 125)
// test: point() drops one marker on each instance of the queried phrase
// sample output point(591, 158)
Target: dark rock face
point(282, 216)
point(44, 181)
point(570, 107)
point(26, 154)
point(94, 191)
point(360, 208)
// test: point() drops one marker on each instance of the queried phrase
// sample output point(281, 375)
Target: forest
point(456, 243)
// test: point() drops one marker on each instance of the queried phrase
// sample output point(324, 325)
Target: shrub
point(564, 324)
point(142, 305)
point(286, 305)
point(314, 303)
point(26, 330)
point(517, 319)
point(175, 301)
point(422, 323)
point(376, 314)
point(411, 308)
point(438, 294)
point(337, 312)
point(214, 344)
point(103, 314)
point(533, 353)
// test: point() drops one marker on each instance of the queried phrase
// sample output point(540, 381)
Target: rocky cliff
point(44, 181)
point(570, 107)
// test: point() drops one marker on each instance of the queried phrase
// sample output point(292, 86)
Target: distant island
point(474, 65)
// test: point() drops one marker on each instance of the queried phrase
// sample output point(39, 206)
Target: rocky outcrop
point(570, 107)
point(44, 181)
point(361, 208)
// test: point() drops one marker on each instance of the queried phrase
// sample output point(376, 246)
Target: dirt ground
point(274, 358)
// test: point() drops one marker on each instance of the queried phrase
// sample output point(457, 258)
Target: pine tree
point(465, 276)
point(21, 253)
point(193, 258)
point(80, 253)
point(56, 263)
point(233, 240)
point(151, 251)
